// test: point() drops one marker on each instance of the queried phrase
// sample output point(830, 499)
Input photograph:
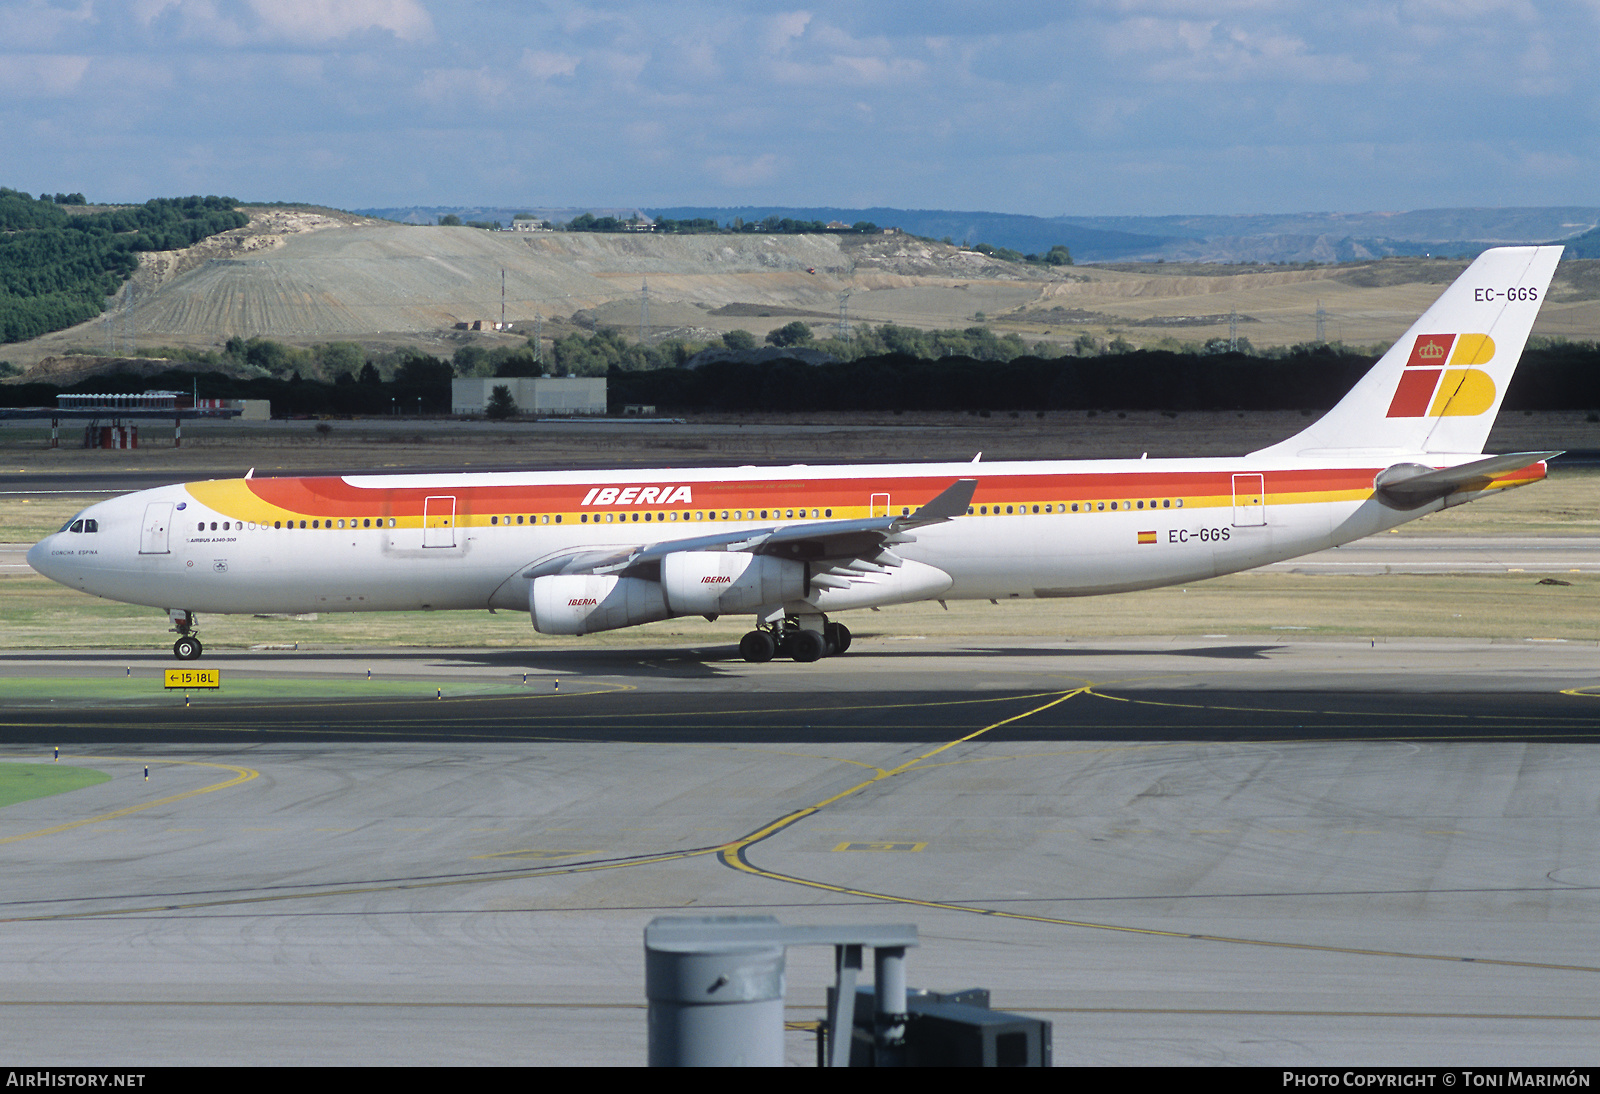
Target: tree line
point(57, 269)
point(338, 379)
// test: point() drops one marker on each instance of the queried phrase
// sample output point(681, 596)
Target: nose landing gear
point(187, 647)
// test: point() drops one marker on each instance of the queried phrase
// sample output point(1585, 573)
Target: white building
point(533, 395)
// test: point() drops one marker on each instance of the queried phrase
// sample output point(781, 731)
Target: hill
point(1262, 237)
point(309, 276)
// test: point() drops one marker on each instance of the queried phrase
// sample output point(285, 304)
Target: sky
point(1043, 107)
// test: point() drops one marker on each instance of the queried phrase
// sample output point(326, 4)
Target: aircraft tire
point(757, 647)
point(187, 648)
point(806, 646)
point(838, 637)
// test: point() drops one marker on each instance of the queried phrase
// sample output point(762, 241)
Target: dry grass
point(41, 615)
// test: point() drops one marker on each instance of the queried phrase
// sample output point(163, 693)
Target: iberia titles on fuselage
point(586, 551)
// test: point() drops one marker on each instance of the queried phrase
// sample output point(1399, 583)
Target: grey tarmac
point(1178, 851)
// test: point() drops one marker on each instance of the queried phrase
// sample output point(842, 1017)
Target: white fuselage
point(442, 542)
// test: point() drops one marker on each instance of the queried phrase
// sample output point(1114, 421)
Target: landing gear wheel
point(838, 637)
point(807, 645)
point(187, 648)
point(757, 647)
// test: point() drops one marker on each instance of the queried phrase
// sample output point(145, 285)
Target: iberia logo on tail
point(1436, 382)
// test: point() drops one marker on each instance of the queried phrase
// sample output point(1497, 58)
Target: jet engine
point(723, 582)
point(585, 603)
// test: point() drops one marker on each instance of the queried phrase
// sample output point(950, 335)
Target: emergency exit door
point(439, 521)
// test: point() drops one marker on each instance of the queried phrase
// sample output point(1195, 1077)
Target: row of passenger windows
point(1076, 507)
point(702, 514)
point(695, 515)
point(240, 526)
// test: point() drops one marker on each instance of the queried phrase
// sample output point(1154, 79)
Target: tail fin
point(1439, 387)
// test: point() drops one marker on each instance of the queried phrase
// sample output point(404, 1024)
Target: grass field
point(38, 614)
point(20, 782)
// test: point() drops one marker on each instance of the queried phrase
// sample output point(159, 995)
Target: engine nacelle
point(585, 603)
point(723, 582)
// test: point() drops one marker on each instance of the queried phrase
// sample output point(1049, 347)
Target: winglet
point(951, 502)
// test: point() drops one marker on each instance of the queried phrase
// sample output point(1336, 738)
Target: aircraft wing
point(836, 548)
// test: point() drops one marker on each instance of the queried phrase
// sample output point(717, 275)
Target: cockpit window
point(76, 526)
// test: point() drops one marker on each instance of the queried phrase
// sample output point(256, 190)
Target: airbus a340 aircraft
point(591, 551)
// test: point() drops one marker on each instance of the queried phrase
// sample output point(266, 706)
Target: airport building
point(549, 395)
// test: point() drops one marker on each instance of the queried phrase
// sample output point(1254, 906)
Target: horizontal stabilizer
point(1411, 485)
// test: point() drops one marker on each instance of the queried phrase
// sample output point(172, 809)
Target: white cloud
point(35, 24)
point(543, 64)
point(41, 75)
point(326, 20)
point(444, 85)
point(784, 29)
point(235, 22)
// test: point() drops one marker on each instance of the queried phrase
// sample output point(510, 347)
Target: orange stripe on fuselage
point(268, 499)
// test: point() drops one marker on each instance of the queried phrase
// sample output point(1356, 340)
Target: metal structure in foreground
point(715, 986)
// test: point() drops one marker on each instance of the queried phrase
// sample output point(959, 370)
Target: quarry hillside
point(304, 275)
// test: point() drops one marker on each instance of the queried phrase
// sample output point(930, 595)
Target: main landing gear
point(804, 638)
point(187, 647)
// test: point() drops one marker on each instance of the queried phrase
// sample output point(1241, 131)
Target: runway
point(1182, 852)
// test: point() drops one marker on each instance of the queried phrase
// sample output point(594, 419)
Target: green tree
point(739, 339)
point(790, 334)
point(450, 220)
point(501, 404)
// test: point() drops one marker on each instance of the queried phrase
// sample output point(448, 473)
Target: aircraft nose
point(39, 558)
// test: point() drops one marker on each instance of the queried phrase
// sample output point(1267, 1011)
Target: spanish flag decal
point(1147, 537)
point(1434, 385)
